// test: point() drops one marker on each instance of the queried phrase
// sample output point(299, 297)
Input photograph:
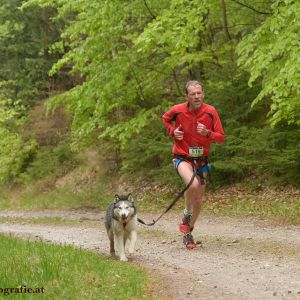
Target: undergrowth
point(91, 183)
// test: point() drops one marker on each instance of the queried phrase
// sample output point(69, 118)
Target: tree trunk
point(225, 24)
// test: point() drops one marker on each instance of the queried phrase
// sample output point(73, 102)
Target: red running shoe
point(188, 241)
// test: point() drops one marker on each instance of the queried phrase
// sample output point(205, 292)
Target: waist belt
point(192, 159)
point(198, 164)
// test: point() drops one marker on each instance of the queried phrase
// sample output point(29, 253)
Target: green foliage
point(14, 152)
point(47, 161)
point(272, 52)
point(148, 150)
point(179, 45)
point(24, 57)
point(14, 155)
point(265, 153)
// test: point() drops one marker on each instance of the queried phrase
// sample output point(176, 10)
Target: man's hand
point(201, 129)
point(178, 133)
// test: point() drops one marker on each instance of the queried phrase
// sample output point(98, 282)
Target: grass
point(283, 206)
point(244, 199)
point(280, 206)
point(42, 196)
point(57, 198)
point(59, 221)
point(65, 272)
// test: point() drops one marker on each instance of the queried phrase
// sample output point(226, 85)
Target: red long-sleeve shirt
point(181, 115)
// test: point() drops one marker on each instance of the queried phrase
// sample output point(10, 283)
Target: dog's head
point(124, 208)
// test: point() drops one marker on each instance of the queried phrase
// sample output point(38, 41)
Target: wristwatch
point(208, 133)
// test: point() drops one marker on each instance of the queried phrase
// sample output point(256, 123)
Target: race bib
point(196, 151)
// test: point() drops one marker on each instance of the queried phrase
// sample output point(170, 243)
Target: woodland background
point(108, 70)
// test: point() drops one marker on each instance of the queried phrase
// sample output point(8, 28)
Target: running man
point(194, 125)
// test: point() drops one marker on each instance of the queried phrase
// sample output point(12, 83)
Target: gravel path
point(240, 258)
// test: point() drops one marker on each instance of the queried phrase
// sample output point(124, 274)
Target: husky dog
point(121, 223)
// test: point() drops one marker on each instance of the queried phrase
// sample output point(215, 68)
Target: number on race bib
point(196, 151)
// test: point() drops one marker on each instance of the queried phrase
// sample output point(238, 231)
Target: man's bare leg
point(194, 195)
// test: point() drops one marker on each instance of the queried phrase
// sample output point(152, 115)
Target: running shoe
point(188, 241)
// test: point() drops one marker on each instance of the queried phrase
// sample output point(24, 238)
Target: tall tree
point(272, 53)
point(25, 60)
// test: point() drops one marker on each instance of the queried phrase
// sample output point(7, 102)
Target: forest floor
point(237, 258)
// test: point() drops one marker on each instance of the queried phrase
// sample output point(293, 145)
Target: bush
point(14, 154)
point(266, 152)
point(47, 161)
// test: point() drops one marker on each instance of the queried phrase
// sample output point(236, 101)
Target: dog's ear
point(130, 198)
point(117, 198)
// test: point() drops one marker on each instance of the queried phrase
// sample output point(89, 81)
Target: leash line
point(179, 195)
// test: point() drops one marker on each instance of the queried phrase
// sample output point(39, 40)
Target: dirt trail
point(240, 258)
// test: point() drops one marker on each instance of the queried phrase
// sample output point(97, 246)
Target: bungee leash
point(178, 196)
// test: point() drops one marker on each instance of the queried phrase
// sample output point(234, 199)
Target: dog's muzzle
point(123, 220)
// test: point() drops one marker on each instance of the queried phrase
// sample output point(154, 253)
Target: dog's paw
point(123, 258)
point(130, 250)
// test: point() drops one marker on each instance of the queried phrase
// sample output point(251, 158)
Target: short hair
point(192, 82)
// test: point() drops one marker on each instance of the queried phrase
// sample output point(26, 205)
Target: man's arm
point(168, 119)
point(217, 135)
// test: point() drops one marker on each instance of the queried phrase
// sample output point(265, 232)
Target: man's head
point(194, 94)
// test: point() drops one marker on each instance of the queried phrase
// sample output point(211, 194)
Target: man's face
point(195, 96)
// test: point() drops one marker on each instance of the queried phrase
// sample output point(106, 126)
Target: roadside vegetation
point(65, 272)
point(83, 188)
